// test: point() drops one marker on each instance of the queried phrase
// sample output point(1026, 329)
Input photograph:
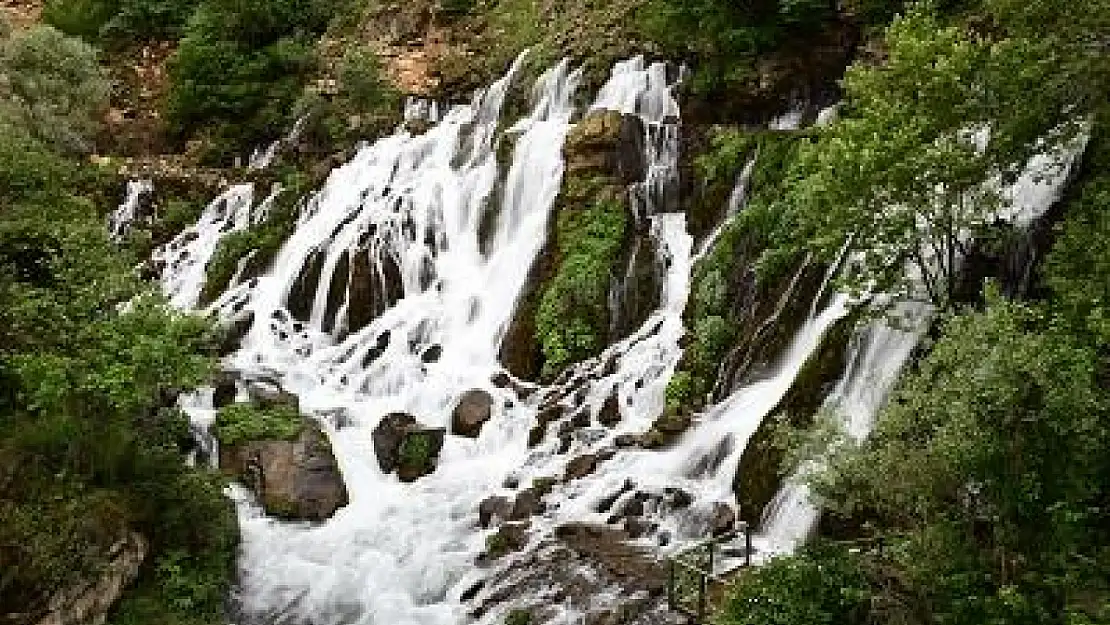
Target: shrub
point(52, 86)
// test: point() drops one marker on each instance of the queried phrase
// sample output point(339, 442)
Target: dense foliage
point(90, 361)
point(572, 320)
point(987, 474)
point(239, 423)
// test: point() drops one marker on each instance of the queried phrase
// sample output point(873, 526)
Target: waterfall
point(122, 219)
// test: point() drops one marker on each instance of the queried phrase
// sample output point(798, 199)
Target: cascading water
point(445, 242)
point(122, 219)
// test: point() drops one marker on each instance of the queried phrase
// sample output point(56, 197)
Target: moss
point(416, 451)
point(572, 320)
point(497, 545)
point(518, 616)
point(240, 423)
point(749, 260)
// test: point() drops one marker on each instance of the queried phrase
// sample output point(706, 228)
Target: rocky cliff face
point(88, 602)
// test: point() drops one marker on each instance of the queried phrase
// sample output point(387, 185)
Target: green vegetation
point(89, 361)
point(119, 21)
point(572, 320)
point(518, 616)
point(743, 251)
point(240, 423)
point(51, 88)
point(987, 474)
point(416, 452)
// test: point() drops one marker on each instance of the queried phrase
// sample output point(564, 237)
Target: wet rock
point(493, 509)
point(402, 444)
point(536, 434)
point(610, 413)
point(581, 419)
point(296, 479)
point(580, 467)
point(510, 537)
point(224, 389)
point(608, 547)
point(528, 503)
point(677, 498)
point(606, 503)
point(269, 394)
point(501, 379)
point(471, 413)
point(637, 527)
point(432, 354)
point(722, 519)
point(626, 441)
point(88, 601)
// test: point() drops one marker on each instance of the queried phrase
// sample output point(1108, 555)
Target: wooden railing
point(695, 573)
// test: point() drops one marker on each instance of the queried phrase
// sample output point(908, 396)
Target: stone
point(493, 509)
point(387, 437)
point(580, 467)
point(722, 519)
point(404, 445)
point(224, 389)
point(297, 479)
point(471, 413)
point(233, 331)
point(610, 413)
point(89, 601)
point(268, 394)
point(527, 503)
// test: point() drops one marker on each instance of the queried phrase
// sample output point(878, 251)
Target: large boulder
point(473, 410)
point(404, 445)
point(296, 479)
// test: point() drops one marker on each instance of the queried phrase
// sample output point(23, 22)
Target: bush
point(52, 87)
point(241, 423)
point(819, 586)
point(119, 21)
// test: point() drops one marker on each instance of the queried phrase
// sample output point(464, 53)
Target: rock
point(677, 498)
point(511, 536)
point(493, 509)
point(387, 437)
point(402, 444)
point(722, 519)
point(268, 394)
point(501, 379)
point(89, 601)
point(536, 434)
point(610, 413)
point(626, 441)
point(224, 389)
point(233, 331)
point(297, 479)
point(580, 467)
point(471, 413)
point(527, 503)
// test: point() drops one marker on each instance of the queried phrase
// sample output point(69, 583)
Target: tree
point(906, 174)
point(52, 87)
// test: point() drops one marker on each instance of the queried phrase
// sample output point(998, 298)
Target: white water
point(122, 219)
point(404, 553)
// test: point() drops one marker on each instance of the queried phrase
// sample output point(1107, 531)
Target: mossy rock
point(241, 423)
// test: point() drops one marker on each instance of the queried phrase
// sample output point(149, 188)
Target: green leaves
point(572, 320)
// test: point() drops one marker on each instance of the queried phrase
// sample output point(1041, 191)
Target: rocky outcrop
point(473, 410)
point(296, 480)
point(402, 444)
point(591, 569)
point(88, 602)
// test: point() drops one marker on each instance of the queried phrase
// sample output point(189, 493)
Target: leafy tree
point(906, 173)
point(51, 87)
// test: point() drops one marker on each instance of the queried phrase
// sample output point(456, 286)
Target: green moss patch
point(241, 423)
